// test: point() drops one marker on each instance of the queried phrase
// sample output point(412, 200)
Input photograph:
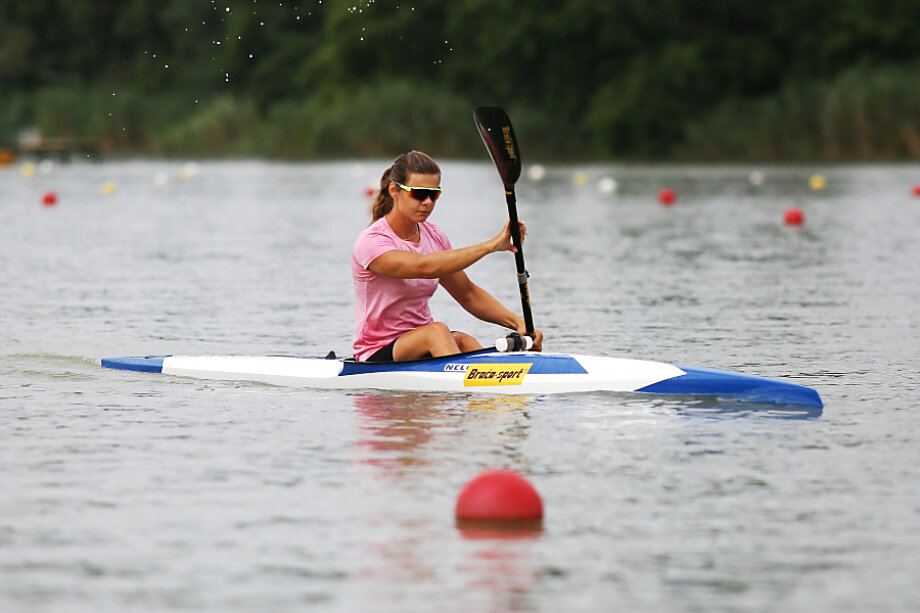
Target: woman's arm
point(482, 305)
point(410, 265)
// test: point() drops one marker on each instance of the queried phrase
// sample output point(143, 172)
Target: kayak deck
point(483, 371)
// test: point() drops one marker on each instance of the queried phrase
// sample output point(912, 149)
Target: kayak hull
point(484, 371)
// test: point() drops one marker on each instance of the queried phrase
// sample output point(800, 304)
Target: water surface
point(131, 491)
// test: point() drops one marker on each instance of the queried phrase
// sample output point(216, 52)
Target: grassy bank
point(863, 114)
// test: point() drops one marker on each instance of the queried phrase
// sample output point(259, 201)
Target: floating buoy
point(502, 495)
point(817, 182)
point(46, 167)
point(27, 170)
point(580, 179)
point(109, 188)
point(189, 171)
point(49, 199)
point(917, 190)
point(607, 185)
point(536, 172)
point(667, 196)
point(794, 216)
point(756, 178)
point(370, 192)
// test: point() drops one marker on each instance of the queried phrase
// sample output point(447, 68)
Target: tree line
point(318, 78)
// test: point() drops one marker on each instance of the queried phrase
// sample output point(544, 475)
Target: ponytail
point(383, 201)
point(412, 162)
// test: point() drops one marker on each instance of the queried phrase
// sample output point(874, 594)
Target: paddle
point(498, 136)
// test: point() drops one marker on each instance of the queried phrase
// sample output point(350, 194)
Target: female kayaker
point(399, 261)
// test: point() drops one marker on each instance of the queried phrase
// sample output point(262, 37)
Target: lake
point(132, 491)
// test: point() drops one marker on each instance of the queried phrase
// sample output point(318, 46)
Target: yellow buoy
point(580, 178)
point(27, 170)
point(109, 188)
point(817, 182)
point(189, 171)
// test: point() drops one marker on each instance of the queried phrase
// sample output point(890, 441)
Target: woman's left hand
point(503, 242)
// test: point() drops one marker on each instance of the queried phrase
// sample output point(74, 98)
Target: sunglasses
point(421, 193)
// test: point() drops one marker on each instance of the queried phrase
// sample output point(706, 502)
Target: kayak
point(482, 371)
point(490, 371)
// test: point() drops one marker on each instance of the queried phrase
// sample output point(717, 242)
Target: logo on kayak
point(496, 374)
point(456, 367)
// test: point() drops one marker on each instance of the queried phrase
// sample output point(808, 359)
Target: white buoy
point(756, 178)
point(46, 167)
point(607, 185)
point(536, 172)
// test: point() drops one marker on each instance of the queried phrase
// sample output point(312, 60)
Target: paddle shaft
point(498, 136)
point(522, 273)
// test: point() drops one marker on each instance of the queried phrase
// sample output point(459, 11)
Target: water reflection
point(506, 530)
point(394, 427)
point(410, 440)
point(503, 572)
point(398, 430)
point(714, 408)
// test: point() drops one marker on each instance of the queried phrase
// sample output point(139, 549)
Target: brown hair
point(403, 166)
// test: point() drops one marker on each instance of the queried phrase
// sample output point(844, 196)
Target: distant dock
point(63, 149)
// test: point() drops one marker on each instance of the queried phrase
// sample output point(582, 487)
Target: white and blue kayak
point(482, 371)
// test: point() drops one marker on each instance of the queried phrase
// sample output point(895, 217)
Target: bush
point(222, 126)
point(865, 113)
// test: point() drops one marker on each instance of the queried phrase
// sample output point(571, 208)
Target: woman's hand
point(502, 240)
point(537, 336)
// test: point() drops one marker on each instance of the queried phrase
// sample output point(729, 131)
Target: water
point(129, 491)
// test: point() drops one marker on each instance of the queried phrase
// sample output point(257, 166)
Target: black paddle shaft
point(498, 137)
point(522, 274)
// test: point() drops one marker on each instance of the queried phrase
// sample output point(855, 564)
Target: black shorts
point(384, 354)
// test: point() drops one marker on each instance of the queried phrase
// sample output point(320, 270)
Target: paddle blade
point(498, 136)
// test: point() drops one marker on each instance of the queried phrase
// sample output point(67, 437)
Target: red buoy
point(499, 495)
point(917, 190)
point(49, 199)
point(667, 196)
point(794, 216)
point(370, 192)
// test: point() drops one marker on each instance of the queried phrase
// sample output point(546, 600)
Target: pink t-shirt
point(386, 308)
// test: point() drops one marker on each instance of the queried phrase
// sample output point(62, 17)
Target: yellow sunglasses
point(421, 193)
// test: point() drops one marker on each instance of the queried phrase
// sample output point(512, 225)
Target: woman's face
point(408, 206)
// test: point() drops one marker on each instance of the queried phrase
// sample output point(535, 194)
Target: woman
point(398, 262)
